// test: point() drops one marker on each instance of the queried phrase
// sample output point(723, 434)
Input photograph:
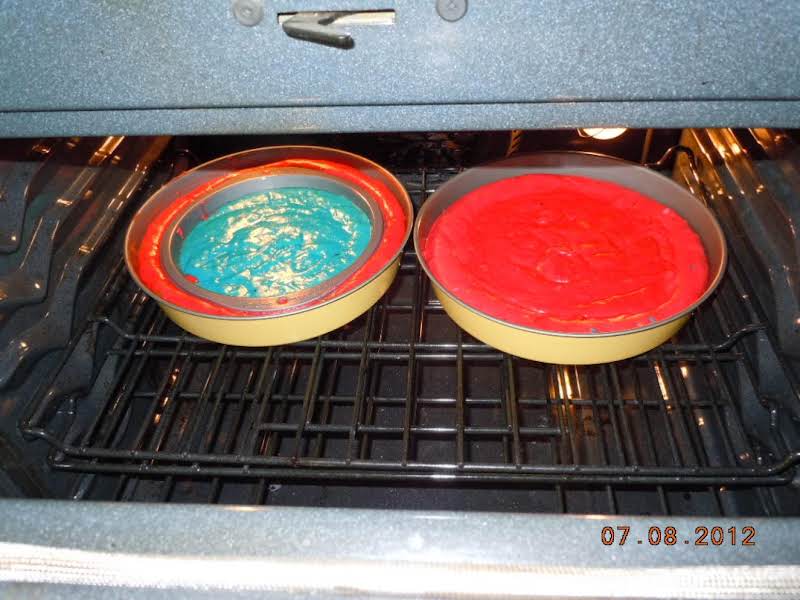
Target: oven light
point(602, 133)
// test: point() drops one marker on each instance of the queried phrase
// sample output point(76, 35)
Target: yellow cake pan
point(572, 348)
point(285, 327)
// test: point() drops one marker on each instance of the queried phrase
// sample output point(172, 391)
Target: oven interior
point(103, 398)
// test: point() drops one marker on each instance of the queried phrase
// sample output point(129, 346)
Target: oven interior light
point(602, 133)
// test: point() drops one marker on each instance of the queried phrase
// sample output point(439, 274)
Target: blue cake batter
point(275, 243)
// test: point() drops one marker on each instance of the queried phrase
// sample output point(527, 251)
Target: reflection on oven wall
point(752, 176)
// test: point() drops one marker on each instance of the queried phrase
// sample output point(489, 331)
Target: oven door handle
point(317, 27)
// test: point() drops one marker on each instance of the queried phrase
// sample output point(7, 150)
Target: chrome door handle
point(318, 27)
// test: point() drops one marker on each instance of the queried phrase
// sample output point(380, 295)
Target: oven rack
point(401, 394)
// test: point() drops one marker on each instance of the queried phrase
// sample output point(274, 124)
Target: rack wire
point(401, 395)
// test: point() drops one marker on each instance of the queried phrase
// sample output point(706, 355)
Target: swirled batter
point(567, 254)
point(146, 260)
point(275, 243)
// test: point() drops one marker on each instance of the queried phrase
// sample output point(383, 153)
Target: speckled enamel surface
point(516, 63)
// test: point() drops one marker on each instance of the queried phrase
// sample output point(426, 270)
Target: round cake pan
point(304, 317)
point(572, 348)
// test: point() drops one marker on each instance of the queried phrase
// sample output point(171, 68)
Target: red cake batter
point(153, 275)
point(567, 254)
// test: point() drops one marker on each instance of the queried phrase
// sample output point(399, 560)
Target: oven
point(396, 455)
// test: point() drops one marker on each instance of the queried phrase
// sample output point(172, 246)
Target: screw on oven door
point(451, 10)
point(248, 12)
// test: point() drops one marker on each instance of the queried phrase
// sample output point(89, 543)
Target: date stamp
point(619, 535)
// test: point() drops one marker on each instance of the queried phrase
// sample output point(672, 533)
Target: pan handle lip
point(711, 286)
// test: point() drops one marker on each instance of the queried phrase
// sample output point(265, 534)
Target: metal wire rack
point(402, 395)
